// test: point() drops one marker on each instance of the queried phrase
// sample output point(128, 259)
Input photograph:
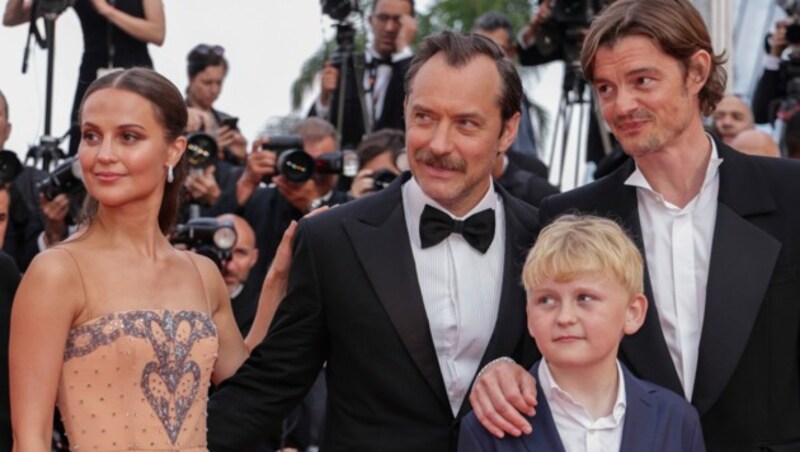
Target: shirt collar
point(236, 291)
point(553, 391)
point(638, 180)
point(418, 199)
point(404, 53)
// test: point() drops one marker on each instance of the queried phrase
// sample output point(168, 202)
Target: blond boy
point(583, 280)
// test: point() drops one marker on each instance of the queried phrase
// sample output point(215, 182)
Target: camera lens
point(201, 149)
point(296, 166)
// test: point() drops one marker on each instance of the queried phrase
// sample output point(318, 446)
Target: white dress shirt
point(374, 95)
point(677, 243)
point(460, 289)
point(578, 430)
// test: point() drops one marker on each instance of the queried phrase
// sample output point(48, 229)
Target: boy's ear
point(634, 317)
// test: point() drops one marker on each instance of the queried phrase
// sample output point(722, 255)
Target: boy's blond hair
point(573, 245)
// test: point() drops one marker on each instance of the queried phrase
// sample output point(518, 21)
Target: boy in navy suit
point(584, 282)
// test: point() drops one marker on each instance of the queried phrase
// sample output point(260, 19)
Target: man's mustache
point(445, 162)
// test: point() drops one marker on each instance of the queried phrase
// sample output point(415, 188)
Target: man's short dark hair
point(492, 21)
point(791, 136)
point(459, 50)
point(375, 144)
point(375, 5)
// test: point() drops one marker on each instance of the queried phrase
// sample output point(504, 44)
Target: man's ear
point(698, 71)
point(509, 132)
point(635, 313)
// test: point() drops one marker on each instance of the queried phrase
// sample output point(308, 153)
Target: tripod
point(576, 105)
point(47, 151)
point(346, 57)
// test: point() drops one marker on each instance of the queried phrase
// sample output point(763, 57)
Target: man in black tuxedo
point(718, 229)
point(404, 294)
point(9, 280)
point(381, 72)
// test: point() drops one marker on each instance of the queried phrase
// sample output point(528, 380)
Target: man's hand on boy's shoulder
point(502, 391)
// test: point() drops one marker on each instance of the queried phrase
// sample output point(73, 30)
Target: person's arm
point(503, 390)
point(275, 284)
point(17, 12)
point(273, 290)
point(232, 352)
point(259, 164)
point(282, 367)
point(49, 299)
point(151, 28)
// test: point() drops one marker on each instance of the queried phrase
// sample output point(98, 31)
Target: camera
point(383, 178)
point(338, 10)
point(207, 237)
point(65, 178)
point(10, 167)
point(201, 150)
point(297, 166)
point(565, 27)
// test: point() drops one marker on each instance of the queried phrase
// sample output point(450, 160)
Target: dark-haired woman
point(118, 328)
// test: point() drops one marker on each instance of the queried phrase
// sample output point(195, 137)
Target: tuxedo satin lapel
point(384, 250)
point(641, 418)
point(742, 261)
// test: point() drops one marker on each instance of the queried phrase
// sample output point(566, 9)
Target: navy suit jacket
point(656, 419)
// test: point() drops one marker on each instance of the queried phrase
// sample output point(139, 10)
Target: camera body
point(298, 166)
point(65, 178)
point(383, 178)
point(208, 237)
point(565, 27)
point(339, 10)
point(201, 150)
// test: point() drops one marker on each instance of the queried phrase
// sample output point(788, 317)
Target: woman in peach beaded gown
point(118, 328)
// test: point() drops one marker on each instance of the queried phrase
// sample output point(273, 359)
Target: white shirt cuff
point(772, 63)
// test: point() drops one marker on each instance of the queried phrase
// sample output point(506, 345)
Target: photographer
point(235, 270)
point(381, 154)
point(206, 68)
point(115, 35)
point(24, 212)
point(781, 67)
point(386, 62)
point(270, 210)
point(555, 33)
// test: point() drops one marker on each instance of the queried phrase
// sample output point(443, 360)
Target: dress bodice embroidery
point(138, 380)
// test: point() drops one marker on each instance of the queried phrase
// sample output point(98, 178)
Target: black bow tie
point(477, 230)
point(376, 61)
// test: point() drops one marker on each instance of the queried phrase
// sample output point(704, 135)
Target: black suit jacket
point(354, 302)
point(9, 280)
point(747, 387)
point(392, 116)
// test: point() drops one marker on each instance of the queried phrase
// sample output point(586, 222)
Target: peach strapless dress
point(138, 380)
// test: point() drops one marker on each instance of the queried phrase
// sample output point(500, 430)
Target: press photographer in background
point(380, 70)
point(778, 90)
point(206, 67)
point(115, 35)
point(292, 186)
point(555, 33)
point(382, 157)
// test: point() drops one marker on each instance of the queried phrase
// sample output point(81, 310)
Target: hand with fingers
point(502, 391)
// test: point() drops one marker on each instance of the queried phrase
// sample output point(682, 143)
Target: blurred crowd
point(350, 146)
